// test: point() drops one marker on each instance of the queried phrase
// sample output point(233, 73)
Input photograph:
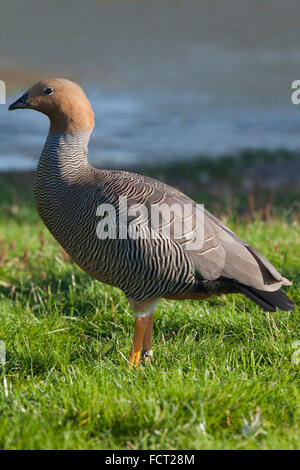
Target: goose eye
point(48, 91)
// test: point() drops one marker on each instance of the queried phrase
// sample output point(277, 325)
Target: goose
point(118, 244)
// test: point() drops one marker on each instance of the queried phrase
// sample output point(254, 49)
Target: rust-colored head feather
point(63, 101)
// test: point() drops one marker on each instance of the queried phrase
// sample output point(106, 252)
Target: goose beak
point(21, 103)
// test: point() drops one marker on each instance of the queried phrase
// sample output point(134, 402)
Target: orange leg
point(140, 327)
point(147, 343)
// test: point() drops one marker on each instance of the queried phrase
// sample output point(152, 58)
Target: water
point(167, 79)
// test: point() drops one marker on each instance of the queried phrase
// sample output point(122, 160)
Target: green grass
point(222, 375)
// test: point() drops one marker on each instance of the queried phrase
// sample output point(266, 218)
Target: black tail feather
point(268, 300)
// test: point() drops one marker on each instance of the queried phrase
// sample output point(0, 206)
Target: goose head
point(63, 101)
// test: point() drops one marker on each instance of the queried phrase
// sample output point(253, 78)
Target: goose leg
point(147, 343)
point(140, 327)
point(142, 330)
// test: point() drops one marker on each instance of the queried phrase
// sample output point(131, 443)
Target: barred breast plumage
point(69, 192)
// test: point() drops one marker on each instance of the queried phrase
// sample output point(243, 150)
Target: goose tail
point(268, 301)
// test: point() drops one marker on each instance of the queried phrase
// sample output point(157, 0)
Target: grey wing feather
point(223, 253)
point(243, 263)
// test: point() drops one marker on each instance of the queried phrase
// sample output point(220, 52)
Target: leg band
point(146, 353)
